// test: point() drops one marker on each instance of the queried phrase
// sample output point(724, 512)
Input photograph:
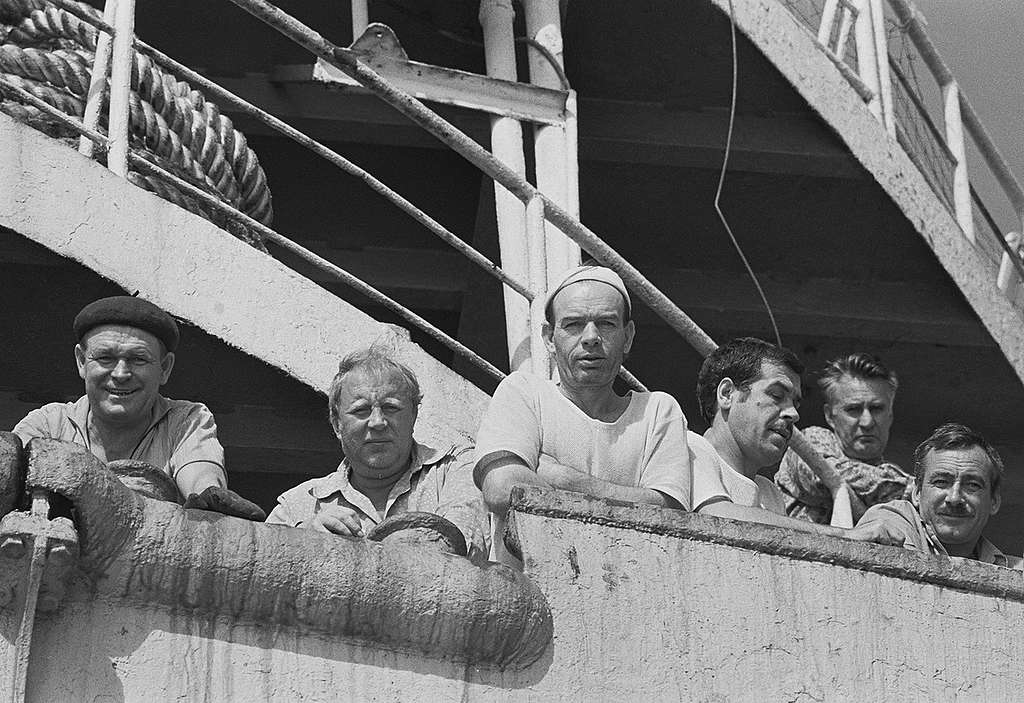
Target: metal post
point(955, 142)
point(120, 87)
point(496, 18)
point(535, 237)
point(867, 59)
point(557, 178)
point(98, 80)
point(360, 18)
point(828, 18)
point(1008, 277)
point(882, 61)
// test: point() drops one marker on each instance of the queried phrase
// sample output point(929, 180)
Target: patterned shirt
point(808, 498)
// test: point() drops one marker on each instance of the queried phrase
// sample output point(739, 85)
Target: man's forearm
point(199, 475)
point(748, 513)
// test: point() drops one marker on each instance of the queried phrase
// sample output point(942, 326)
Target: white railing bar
point(120, 87)
point(98, 80)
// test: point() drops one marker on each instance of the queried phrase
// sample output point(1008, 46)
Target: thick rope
point(49, 52)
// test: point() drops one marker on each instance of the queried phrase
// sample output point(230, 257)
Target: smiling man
point(125, 352)
point(749, 391)
point(578, 434)
point(957, 474)
point(859, 395)
point(374, 402)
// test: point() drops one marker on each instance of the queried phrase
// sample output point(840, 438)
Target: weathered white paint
point(198, 272)
point(797, 56)
point(496, 19)
point(648, 604)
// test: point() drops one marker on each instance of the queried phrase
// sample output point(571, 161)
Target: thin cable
point(721, 180)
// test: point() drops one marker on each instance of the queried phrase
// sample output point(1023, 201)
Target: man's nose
point(790, 414)
point(377, 419)
point(866, 418)
point(591, 335)
point(122, 369)
point(955, 496)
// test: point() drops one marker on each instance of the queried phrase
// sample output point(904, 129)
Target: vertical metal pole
point(120, 87)
point(1008, 277)
point(845, 19)
point(496, 18)
point(556, 177)
point(98, 80)
point(882, 60)
point(539, 362)
point(955, 142)
point(360, 18)
point(867, 59)
point(828, 18)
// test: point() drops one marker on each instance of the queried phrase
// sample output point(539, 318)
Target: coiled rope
point(49, 53)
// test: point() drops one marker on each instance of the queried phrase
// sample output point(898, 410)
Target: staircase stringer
point(803, 62)
point(78, 209)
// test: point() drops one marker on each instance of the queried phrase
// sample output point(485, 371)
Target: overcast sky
point(982, 41)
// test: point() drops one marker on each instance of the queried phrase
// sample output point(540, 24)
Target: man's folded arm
point(498, 473)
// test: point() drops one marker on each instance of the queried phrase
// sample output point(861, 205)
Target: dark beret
point(133, 312)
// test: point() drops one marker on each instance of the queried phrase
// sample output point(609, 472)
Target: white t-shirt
point(645, 447)
point(714, 478)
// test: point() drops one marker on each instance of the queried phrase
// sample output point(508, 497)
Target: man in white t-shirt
point(749, 391)
point(578, 434)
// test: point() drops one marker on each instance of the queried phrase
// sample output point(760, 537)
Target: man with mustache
point(956, 490)
point(578, 434)
point(859, 394)
point(749, 392)
point(125, 352)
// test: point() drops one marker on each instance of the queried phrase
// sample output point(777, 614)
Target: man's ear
point(915, 494)
point(997, 500)
point(723, 394)
point(80, 360)
point(547, 332)
point(830, 416)
point(166, 364)
point(630, 333)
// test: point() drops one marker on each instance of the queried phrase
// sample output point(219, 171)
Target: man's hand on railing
point(225, 501)
point(876, 532)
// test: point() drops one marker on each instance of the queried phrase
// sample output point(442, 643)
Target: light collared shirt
point(439, 482)
point(904, 518)
point(180, 433)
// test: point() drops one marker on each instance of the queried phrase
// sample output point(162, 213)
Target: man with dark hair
point(956, 490)
point(749, 392)
point(859, 393)
point(125, 352)
point(373, 403)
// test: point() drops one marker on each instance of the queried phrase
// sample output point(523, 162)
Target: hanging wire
point(721, 179)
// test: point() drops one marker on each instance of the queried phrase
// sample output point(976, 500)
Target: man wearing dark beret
point(125, 352)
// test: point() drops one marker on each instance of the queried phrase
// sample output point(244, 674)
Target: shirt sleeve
point(511, 423)
point(668, 468)
point(196, 440)
point(462, 503)
point(706, 471)
point(35, 424)
point(895, 516)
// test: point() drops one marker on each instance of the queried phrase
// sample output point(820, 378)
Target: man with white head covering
point(578, 434)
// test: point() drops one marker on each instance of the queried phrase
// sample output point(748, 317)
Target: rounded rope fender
point(397, 596)
point(50, 52)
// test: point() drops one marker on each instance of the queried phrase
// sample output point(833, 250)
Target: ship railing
point(114, 55)
point(877, 45)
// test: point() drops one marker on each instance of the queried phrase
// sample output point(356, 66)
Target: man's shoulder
point(53, 419)
point(183, 407)
point(892, 510)
point(311, 489)
point(656, 406)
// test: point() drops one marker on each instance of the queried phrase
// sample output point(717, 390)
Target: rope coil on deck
point(49, 52)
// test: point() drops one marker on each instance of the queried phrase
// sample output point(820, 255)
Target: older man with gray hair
point(859, 395)
point(374, 402)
